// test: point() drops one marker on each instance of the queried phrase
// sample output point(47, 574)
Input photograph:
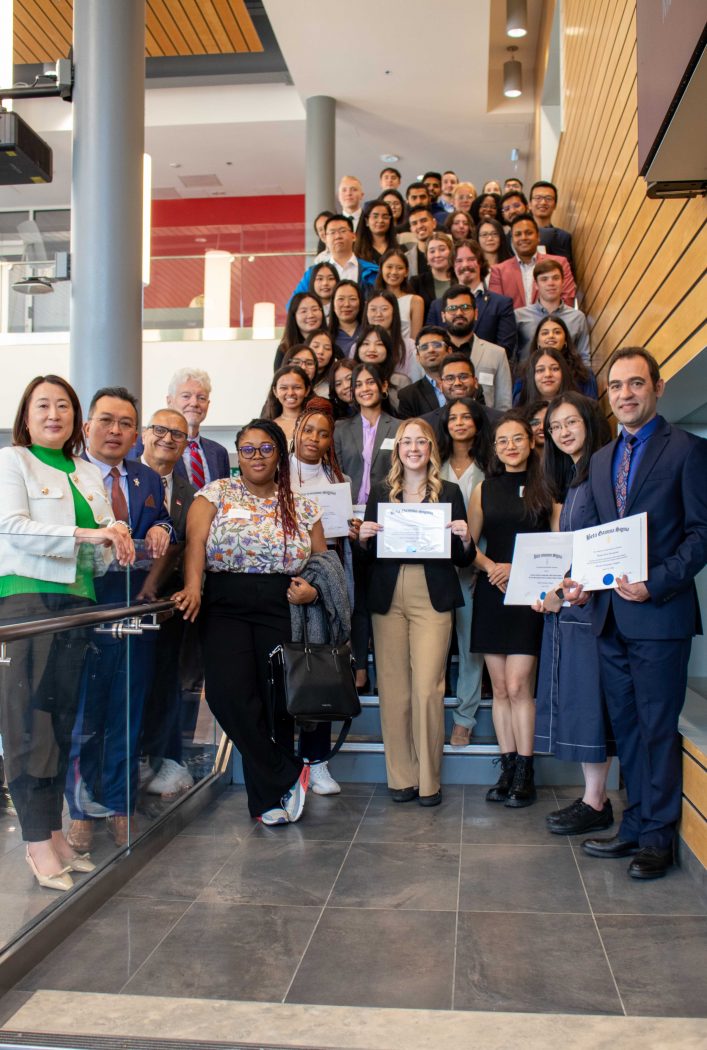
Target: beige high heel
point(81, 862)
point(61, 881)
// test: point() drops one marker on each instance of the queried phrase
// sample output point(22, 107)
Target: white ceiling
point(410, 78)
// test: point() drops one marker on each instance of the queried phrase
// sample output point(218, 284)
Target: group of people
point(422, 362)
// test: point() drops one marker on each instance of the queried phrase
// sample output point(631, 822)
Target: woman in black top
point(513, 498)
point(411, 601)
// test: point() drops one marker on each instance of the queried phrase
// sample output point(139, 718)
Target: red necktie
point(197, 465)
point(118, 501)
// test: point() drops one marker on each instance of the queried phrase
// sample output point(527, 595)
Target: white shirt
point(355, 216)
point(186, 458)
point(167, 483)
point(526, 273)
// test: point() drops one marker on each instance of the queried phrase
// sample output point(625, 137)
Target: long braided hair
point(320, 406)
point(285, 497)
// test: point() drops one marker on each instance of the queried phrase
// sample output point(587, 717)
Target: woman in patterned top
point(253, 535)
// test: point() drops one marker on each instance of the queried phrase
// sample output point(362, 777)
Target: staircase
point(362, 759)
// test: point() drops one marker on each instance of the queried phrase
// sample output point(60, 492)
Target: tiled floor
point(364, 903)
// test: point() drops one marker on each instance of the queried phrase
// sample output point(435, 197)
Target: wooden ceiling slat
point(161, 11)
point(44, 28)
point(190, 11)
point(230, 39)
point(245, 23)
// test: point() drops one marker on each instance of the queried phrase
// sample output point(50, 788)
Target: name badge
point(388, 444)
point(239, 512)
point(486, 378)
point(521, 491)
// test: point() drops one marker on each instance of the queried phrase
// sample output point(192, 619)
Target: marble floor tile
point(492, 822)
point(103, 953)
point(227, 951)
point(391, 958)
point(182, 869)
point(329, 818)
point(387, 821)
point(534, 963)
point(419, 876)
point(659, 962)
point(612, 891)
point(275, 868)
point(520, 878)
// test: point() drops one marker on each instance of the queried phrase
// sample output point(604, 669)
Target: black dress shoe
point(650, 862)
point(404, 794)
point(615, 847)
point(579, 818)
point(430, 800)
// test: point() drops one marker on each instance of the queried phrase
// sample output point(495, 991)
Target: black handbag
point(318, 683)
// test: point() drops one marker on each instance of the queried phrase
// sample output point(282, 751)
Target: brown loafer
point(120, 829)
point(80, 835)
point(460, 737)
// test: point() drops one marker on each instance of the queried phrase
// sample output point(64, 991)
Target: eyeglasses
point(160, 432)
point(266, 450)
point(559, 426)
point(549, 199)
point(463, 307)
point(109, 421)
point(516, 440)
point(433, 344)
point(408, 443)
point(457, 377)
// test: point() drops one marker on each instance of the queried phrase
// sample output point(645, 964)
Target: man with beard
point(495, 320)
point(514, 277)
point(433, 344)
point(490, 361)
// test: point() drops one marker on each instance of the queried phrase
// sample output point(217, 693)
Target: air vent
point(193, 182)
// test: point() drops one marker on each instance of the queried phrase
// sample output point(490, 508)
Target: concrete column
point(320, 162)
point(106, 195)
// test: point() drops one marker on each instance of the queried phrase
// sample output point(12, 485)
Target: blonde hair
point(396, 474)
point(464, 187)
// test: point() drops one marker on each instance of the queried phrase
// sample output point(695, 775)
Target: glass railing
point(175, 298)
point(102, 714)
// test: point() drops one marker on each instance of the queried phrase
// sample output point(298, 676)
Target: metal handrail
point(52, 624)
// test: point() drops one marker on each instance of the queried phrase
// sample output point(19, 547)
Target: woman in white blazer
point(57, 531)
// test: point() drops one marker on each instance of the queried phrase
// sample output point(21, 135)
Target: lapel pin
point(136, 482)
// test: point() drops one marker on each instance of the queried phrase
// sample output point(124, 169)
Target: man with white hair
point(189, 392)
point(351, 198)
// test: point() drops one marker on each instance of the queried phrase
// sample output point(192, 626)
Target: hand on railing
point(116, 536)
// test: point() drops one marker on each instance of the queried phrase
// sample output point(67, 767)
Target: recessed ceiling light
point(390, 158)
point(173, 164)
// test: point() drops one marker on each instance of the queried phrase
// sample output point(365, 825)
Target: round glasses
point(266, 450)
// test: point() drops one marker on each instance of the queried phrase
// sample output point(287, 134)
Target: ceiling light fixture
point(390, 158)
point(512, 76)
point(516, 18)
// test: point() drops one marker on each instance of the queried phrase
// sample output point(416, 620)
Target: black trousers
point(39, 697)
point(244, 616)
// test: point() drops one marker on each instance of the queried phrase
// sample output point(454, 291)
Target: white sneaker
point(272, 817)
point(321, 781)
point(171, 779)
point(293, 800)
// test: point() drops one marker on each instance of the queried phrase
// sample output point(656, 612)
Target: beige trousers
point(412, 642)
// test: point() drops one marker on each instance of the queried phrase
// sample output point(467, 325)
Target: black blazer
point(441, 576)
point(417, 399)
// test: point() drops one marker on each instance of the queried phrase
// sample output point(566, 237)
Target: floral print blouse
point(247, 535)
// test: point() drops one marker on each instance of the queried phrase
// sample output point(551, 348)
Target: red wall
point(242, 225)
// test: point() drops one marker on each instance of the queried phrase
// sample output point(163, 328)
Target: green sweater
point(83, 584)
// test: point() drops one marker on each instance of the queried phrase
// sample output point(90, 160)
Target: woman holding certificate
point(514, 498)
point(571, 721)
point(413, 589)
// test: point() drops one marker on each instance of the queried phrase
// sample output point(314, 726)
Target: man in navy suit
point(543, 201)
point(495, 320)
point(645, 629)
point(102, 778)
point(203, 460)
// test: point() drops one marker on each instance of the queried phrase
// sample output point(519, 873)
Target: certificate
point(335, 504)
point(540, 563)
point(617, 548)
point(414, 530)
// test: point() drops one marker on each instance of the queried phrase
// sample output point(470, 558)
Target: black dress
point(499, 628)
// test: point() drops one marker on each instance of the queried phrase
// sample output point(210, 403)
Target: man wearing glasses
point(433, 345)
point(543, 201)
point(490, 361)
point(103, 772)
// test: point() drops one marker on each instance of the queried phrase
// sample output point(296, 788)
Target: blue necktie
point(621, 486)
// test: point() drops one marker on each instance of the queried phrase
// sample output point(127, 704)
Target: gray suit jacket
point(182, 496)
point(348, 443)
point(493, 372)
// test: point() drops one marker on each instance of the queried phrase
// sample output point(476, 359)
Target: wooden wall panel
point(640, 263)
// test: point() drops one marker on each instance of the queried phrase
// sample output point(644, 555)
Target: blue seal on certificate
point(542, 595)
point(607, 579)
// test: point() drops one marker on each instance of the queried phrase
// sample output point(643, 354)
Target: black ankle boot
point(499, 792)
point(522, 792)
